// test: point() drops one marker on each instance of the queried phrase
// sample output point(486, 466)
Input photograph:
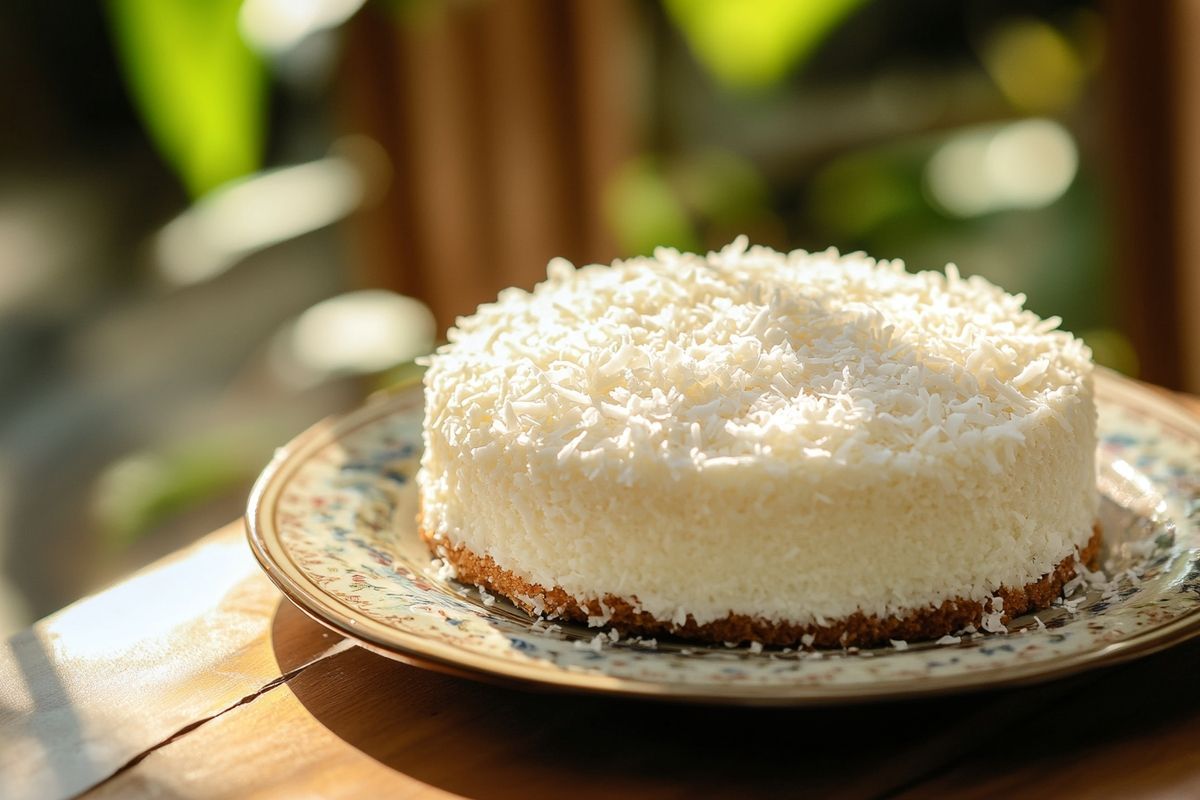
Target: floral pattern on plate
point(332, 520)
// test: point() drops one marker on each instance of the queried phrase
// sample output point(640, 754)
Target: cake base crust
point(856, 630)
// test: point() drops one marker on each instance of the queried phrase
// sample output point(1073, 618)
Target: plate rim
point(416, 650)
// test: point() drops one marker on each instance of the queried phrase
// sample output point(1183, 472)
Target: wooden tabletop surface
point(195, 678)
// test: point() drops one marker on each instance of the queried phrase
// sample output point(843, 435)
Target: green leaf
point(139, 493)
point(400, 377)
point(644, 210)
point(196, 84)
point(755, 43)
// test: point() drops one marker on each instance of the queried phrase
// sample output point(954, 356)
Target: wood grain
point(243, 696)
point(94, 686)
point(356, 722)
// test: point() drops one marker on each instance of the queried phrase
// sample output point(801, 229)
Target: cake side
point(788, 547)
point(856, 630)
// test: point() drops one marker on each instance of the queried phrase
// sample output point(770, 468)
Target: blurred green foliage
point(645, 211)
point(701, 199)
point(1036, 67)
point(138, 493)
point(198, 87)
point(399, 377)
point(755, 44)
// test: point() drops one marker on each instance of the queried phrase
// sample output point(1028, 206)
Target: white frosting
point(789, 436)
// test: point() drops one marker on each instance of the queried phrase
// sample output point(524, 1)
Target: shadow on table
point(63, 763)
point(493, 742)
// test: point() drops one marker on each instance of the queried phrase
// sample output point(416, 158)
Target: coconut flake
point(993, 620)
point(443, 570)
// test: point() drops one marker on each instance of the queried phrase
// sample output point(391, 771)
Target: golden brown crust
point(857, 630)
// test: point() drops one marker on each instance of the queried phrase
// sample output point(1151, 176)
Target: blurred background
point(221, 220)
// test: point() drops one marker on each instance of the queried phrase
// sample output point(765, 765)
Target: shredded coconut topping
point(708, 362)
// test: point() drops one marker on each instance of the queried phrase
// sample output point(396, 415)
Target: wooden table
point(195, 678)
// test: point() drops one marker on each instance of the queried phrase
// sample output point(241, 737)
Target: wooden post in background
point(1186, 50)
point(503, 122)
point(1153, 83)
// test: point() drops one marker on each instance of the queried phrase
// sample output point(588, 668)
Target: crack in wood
point(340, 647)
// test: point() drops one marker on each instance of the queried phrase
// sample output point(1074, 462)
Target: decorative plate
point(332, 521)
